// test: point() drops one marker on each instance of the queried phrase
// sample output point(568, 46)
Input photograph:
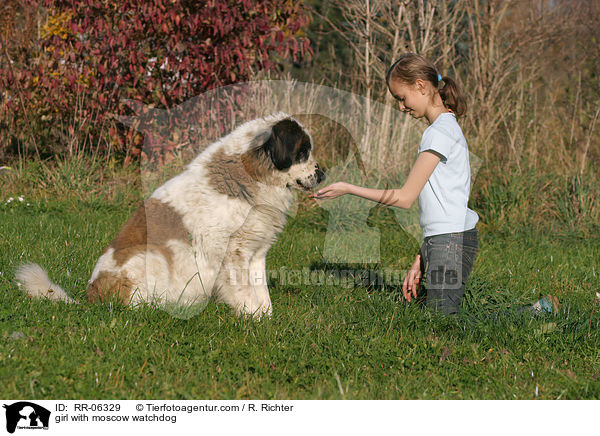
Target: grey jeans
point(446, 263)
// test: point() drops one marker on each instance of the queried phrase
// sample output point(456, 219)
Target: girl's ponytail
point(453, 97)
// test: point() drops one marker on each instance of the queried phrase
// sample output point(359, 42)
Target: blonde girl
point(440, 179)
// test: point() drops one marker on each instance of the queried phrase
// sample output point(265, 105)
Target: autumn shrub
point(65, 90)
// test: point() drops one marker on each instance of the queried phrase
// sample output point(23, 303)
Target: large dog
point(206, 232)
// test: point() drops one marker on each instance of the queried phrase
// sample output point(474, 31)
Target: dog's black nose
point(320, 175)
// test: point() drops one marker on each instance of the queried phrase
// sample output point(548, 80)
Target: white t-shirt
point(443, 200)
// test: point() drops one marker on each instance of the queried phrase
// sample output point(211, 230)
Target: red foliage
point(159, 52)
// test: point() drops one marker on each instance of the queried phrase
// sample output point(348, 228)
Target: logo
point(26, 415)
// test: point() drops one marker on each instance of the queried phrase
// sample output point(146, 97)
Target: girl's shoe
point(548, 304)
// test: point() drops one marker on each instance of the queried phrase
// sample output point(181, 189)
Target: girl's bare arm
point(403, 197)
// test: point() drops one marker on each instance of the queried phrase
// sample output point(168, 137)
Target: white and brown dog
point(206, 232)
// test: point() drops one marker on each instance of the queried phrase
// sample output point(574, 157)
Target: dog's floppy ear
point(280, 146)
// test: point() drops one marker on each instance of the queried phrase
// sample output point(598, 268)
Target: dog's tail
point(34, 280)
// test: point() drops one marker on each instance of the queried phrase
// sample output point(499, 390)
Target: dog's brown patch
point(150, 227)
point(257, 165)
point(237, 175)
point(109, 285)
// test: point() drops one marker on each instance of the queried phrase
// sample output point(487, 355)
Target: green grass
point(323, 341)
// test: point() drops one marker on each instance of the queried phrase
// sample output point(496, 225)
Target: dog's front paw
point(258, 313)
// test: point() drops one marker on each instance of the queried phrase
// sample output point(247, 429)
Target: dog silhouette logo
point(26, 415)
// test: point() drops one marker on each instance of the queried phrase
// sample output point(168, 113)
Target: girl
point(440, 179)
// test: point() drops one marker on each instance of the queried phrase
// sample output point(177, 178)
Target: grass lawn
point(323, 341)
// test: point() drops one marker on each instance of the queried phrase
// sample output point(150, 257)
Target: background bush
point(63, 84)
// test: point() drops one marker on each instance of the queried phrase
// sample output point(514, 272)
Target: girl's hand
point(411, 281)
point(332, 191)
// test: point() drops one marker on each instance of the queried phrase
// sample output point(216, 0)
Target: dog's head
point(288, 152)
point(289, 148)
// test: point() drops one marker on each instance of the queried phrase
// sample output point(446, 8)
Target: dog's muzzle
point(313, 180)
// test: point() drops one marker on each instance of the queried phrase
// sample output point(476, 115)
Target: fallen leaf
point(445, 353)
point(548, 327)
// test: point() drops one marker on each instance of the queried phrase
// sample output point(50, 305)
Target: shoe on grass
point(548, 304)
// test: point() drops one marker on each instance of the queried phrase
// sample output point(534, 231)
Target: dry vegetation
point(530, 70)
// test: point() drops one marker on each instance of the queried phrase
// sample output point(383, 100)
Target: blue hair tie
point(439, 78)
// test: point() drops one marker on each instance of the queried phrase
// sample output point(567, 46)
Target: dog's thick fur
point(206, 232)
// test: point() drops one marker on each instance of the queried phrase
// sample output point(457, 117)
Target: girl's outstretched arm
point(403, 197)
